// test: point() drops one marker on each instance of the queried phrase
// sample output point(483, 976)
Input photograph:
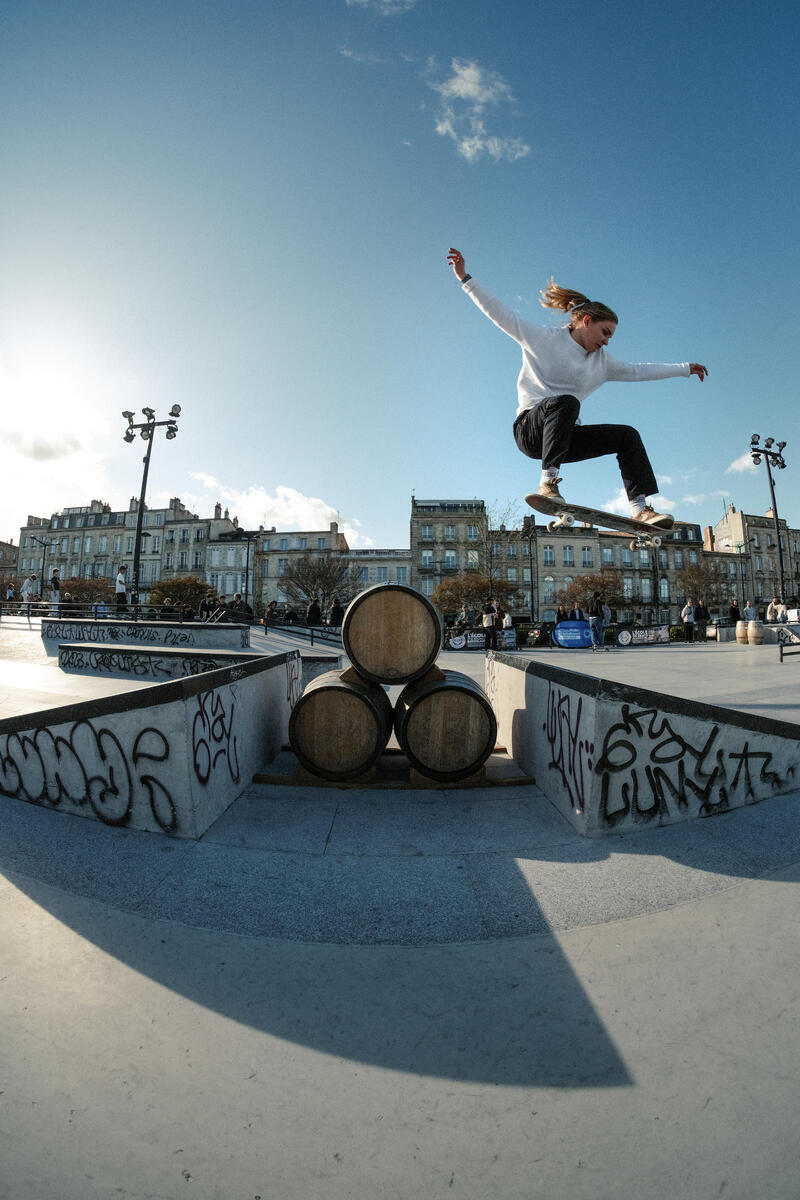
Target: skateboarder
point(560, 368)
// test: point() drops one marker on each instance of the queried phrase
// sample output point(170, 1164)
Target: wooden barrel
point(340, 726)
point(755, 633)
point(391, 634)
point(445, 725)
point(741, 632)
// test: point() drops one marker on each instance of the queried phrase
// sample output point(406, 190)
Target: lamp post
point(146, 430)
point(46, 546)
point(529, 532)
point(772, 458)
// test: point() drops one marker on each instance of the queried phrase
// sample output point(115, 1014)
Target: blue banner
point(572, 635)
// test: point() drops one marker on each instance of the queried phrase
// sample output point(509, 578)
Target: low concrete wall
point(169, 758)
point(613, 758)
point(187, 635)
point(156, 663)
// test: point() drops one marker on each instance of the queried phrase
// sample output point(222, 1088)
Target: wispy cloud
point(621, 504)
point(467, 96)
point(384, 8)
point(285, 508)
point(359, 56)
point(741, 465)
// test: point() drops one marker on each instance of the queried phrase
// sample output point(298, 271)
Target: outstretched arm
point(456, 260)
point(699, 370)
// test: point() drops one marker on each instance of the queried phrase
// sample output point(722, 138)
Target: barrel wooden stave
point(339, 727)
point(445, 725)
point(741, 632)
point(755, 633)
point(391, 634)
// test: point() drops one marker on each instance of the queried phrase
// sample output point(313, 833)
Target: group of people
point(598, 615)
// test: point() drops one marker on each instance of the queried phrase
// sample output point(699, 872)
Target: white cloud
point(285, 509)
point(621, 504)
point(384, 8)
point(693, 499)
point(369, 60)
point(742, 464)
point(466, 96)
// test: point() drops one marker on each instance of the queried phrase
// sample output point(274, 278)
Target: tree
point(188, 590)
point(703, 581)
point(86, 591)
point(473, 589)
point(608, 583)
point(323, 578)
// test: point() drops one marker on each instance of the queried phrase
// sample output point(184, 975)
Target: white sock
point(549, 474)
point(637, 504)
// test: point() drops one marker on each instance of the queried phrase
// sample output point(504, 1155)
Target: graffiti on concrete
point(570, 753)
point(213, 740)
point(111, 662)
point(648, 770)
point(293, 684)
point(87, 766)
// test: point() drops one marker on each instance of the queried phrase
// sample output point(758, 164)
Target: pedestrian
point(489, 622)
point(314, 613)
point(207, 606)
point(773, 609)
point(55, 591)
point(561, 614)
point(271, 613)
point(26, 593)
point(596, 621)
point(337, 613)
point(688, 618)
point(560, 368)
point(121, 588)
point(701, 618)
point(10, 595)
point(576, 613)
point(750, 613)
point(734, 613)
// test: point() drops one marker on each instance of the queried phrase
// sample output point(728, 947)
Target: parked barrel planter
point(391, 634)
point(340, 726)
point(741, 632)
point(755, 633)
point(445, 725)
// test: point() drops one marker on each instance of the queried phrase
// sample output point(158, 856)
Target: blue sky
point(245, 208)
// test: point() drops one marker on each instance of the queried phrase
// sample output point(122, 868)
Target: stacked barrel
point(342, 723)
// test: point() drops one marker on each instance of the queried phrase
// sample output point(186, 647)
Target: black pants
point(549, 432)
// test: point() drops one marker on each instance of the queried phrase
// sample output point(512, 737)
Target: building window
point(129, 541)
point(627, 559)
point(472, 533)
point(428, 586)
point(644, 558)
point(184, 535)
point(426, 533)
point(662, 559)
point(402, 574)
point(199, 534)
point(63, 545)
point(512, 574)
point(449, 533)
point(155, 543)
point(197, 560)
point(283, 566)
point(284, 544)
point(302, 543)
point(608, 556)
point(472, 560)
point(511, 550)
point(549, 588)
point(265, 545)
point(363, 575)
point(693, 557)
point(548, 556)
point(663, 590)
point(117, 543)
point(647, 589)
point(169, 559)
point(627, 587)
point(450, 559)
point(569, 556)
point(381, 574)
point(76, 545)
point(265, 568)
point(586, 556)
point(427, 559)
point(102, 544)
point(678, 559)
point(322, 543)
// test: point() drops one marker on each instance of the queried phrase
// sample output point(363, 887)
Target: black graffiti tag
point(570, 754)
point(85, 766)
point(213, 738)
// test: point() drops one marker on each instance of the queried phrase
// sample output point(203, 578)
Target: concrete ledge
point(177, 635)
point(149, 662)
point(168, 759)
point(613, 758)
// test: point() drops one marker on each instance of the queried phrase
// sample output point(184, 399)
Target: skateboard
point(566, 515)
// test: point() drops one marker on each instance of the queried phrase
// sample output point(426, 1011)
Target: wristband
point(464, 280)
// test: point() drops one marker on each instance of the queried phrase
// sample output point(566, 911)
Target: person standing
point(26, 593)
point(688, 618)
point(773, 608)
point(750, 613)
point(734, 612)
point(560, 369)
point(576, 613)
point(489, 621)
point(55, 591)
point(701, 618)
point(121, 588)
point(596, 621)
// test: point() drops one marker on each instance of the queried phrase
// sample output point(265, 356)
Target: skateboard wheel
point(568, 520)
point(552, 526)
point(656, 541)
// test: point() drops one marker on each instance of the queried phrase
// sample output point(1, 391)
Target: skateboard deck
point(566, 515)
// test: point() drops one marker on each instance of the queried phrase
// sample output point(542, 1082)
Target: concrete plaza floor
point(354, 994)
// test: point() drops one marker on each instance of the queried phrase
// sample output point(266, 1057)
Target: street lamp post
point(772, 458)
point(247, 536)
point(529, 531)
point(46, 546)
point(146, 430)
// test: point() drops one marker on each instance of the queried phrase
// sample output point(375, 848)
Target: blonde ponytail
point(569, 301)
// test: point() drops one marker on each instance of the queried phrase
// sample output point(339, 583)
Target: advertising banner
point(572, 635)
point(646, 635)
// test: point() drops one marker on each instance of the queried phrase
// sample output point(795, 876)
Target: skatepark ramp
point(613, 757)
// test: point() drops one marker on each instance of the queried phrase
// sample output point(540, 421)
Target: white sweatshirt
point(554, 364)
